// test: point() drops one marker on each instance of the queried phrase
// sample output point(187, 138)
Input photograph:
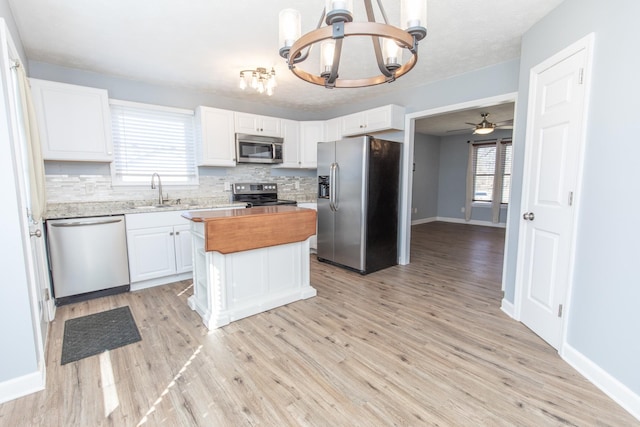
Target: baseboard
point(620, 393)
point(471, 222)
point(423, 220)
point(138, 286)
point(508, 308)
point(22, 386)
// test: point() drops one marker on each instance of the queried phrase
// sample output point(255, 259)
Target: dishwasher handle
point(85, 223)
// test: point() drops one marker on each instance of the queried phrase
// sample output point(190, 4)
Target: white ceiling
point(204, 44)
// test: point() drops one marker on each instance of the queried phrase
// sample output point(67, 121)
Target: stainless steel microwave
point(258, 149)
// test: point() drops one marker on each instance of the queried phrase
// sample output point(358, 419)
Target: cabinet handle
point(177, 233)
point(171, 233)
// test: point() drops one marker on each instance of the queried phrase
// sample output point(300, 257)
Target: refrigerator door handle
point(332, 173)
point(336, 187)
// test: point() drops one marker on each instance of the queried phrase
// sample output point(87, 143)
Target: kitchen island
point(247, 261)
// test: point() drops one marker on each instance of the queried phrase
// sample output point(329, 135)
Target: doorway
point(410, 141)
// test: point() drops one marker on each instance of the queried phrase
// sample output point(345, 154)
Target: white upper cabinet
point(253, 124)
point(311, 133)
point(215, 137)
point(389, 117)
point(333, 129)
point(74, 121)
point(291, 150)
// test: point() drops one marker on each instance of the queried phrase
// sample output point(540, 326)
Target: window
point(485, 170)
point(148, 139)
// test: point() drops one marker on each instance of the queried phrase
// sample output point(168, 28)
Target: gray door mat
point(93, 334)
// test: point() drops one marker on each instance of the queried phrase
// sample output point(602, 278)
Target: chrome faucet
point(153, 187)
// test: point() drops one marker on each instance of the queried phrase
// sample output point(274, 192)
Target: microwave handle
point(273, 151)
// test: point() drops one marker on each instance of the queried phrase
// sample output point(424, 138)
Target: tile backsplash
point(69, 183)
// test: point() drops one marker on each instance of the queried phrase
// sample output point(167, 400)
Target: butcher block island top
point(247, 261)
point(236, 230)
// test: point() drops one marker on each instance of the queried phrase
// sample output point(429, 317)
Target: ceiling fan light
point(483, 131)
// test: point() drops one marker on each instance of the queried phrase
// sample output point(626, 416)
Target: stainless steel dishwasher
point(87, 257)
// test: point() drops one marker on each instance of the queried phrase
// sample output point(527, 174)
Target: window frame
point(191, 180)
point(496, 143)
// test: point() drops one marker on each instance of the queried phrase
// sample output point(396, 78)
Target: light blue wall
point(426, 157)
point(454, 155)
point(604, 317)
point(18, 354)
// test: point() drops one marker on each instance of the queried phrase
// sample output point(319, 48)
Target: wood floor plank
point(421, 344)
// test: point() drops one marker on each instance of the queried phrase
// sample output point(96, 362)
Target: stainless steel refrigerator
point(358, 187)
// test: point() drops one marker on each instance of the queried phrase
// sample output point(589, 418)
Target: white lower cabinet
point(159, 247)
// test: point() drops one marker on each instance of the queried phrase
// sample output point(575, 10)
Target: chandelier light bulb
point(259, 79)
point(289, 27)
point(243, 82)
point(327, 48)
point(414, 16)
point(390, 52)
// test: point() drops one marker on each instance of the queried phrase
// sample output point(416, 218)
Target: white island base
point(229, 287)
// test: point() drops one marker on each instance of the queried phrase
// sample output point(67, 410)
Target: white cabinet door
point(333, 129)
point(151, 253)
point(310, 134)
point(182, 239)
point(353, 124)
point(389, 117)
point(291, 151)
point(74, 121)
point(253, 124)
point(215, 137)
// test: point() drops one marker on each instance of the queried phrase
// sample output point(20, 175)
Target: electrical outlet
point(296, 185)
point(462, 209)
point(415, 210)
point(227, 186)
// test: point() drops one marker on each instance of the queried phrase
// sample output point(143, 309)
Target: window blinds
point(150, 139)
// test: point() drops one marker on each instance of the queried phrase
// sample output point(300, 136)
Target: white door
point(552, 165)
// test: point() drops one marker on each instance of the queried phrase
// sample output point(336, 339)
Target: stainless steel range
point(256, 194)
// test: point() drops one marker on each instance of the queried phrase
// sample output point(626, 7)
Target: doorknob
point(528, 216)
point(36, 233)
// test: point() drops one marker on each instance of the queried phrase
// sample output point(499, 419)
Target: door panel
point(349, 220)
point(326, 156)
point(554, 140)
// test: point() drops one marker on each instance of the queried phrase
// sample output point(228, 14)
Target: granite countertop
point(79, 210)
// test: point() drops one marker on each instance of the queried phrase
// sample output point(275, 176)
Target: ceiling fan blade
point(461, 130)
point(505, 122)
point(505, 127)
point(471, 124)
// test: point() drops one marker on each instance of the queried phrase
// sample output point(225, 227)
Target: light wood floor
point(423, 344)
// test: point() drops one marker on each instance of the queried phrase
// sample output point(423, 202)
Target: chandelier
point(387, 39)
point(260, 79)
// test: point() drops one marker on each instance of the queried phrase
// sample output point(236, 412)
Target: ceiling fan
point(485, 126)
